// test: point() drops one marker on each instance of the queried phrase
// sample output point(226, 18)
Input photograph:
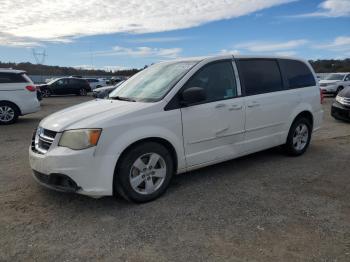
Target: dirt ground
point(263, 207)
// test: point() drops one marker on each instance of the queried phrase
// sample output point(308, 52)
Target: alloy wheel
point(6, 114)
point(82, 92)
point(148, 173)
point(300, 137)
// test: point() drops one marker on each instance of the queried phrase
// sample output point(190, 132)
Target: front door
point(214, 129)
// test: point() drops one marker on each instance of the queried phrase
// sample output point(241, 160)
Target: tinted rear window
point(13, 78)
point(260, 76)
point(297, 74)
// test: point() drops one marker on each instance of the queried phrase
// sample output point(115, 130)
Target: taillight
point(31, 88)
point(321, 96)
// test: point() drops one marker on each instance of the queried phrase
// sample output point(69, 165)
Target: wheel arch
point(164, 142)
point(305, 114)
point(12, 103)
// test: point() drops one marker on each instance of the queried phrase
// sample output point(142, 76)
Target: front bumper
point(329, 89)
point(82, 172)
point(340, 111)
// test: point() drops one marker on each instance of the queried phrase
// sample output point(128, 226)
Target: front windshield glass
point(335, 77)
point(153, 83)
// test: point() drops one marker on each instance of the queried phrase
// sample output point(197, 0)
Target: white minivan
point(18, 96)
point(174, 117)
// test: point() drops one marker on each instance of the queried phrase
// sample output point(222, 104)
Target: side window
point(5, 78)
point(60, 82)
point(260, 76)
point(297, 73)
point(217, 79)
point(347, 78)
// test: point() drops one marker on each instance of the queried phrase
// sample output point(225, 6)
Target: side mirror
point(193, 95)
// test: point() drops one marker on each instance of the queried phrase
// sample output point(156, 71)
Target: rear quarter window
point(14, 78)
point(297, 74)
point(260, 76)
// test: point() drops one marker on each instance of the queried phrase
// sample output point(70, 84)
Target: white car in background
point(334, 83)
point(95, 83)
point(18, 96)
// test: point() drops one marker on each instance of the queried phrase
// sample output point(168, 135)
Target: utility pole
point(40, 57)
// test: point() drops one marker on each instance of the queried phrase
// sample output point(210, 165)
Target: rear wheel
point(82, 92)
point(144, 172)
point(299, 137)
point(8, 113)
point(46, 92)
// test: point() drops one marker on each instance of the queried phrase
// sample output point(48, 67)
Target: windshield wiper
point(123, 98)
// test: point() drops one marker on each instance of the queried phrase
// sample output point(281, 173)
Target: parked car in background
point(65, 86)
point(103, 92)
point(174, 117)
point(334, 83)
point(95, 83)
point(18, 96)
point(341, 105)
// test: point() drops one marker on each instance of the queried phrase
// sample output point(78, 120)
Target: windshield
point(152, 83)
point(335, 77)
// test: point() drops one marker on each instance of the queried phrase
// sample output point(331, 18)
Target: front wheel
point(144, 172)
point(299, 137)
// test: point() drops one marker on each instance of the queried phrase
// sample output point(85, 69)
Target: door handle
point(220, 106)
point(235, 107)
point(253, 105)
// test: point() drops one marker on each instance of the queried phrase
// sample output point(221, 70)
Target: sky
point(122, 34)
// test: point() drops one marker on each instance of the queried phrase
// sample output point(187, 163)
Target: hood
point(345, 92)
point(92, 114)
point(328, 81)
point(103, 88)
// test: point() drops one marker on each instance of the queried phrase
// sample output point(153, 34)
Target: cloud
point(142, 51)
point(157, 40)
point(264, 47)
point(330, 8)
point(339, 44)
point(229, 52)
point(45, 20)
point(286, 53)
point(10, 40)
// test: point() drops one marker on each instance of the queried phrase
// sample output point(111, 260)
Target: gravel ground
point(263, 207)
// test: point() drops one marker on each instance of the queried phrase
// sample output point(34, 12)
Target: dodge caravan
point(174, 117)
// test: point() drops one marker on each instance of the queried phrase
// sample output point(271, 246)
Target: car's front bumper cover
point(340, 111)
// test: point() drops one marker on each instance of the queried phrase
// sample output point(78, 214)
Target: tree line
point(320, 66)
point(37, 69)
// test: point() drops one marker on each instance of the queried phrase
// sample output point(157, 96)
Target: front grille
point(42, 140)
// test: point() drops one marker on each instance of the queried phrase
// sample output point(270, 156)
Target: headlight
point(339, 99)
point(80, 138)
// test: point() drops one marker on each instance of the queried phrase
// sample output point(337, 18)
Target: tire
point(149, 182)
point(46, 93)
point(298, 140)
point(8, 113)
point(82, 92)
